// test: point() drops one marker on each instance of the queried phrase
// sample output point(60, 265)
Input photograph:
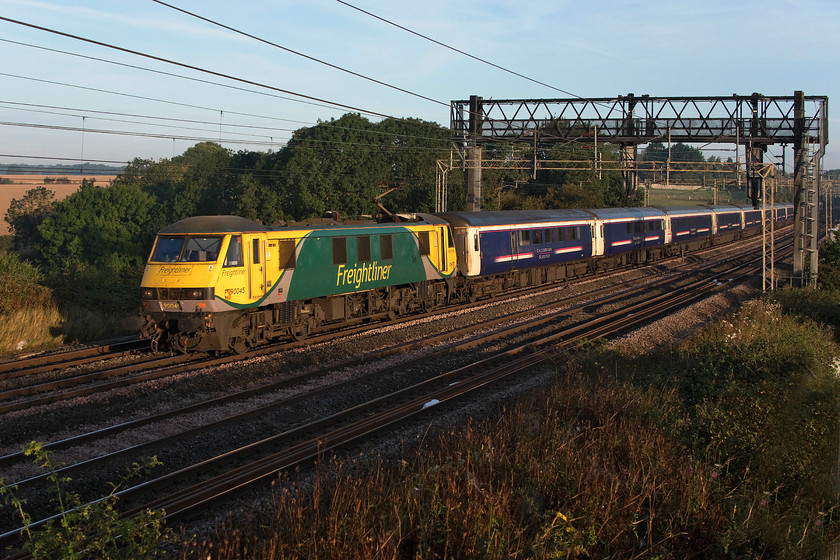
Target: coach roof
point(634, 213)
point(513, 217)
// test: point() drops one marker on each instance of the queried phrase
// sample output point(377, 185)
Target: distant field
point(22, 183)
point(680, 197)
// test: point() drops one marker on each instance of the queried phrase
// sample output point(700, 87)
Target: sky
point(63, 100)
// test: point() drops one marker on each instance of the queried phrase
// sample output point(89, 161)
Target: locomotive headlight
point(147, 293)
point(197, 293)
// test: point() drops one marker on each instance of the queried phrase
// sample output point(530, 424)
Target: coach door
point(638, 233)
point(255, 255)
point(514, 249)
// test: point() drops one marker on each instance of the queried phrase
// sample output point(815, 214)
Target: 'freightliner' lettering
point(356, 276)
point(175, 269)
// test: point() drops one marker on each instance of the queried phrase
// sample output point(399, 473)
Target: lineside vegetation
point(723, 448)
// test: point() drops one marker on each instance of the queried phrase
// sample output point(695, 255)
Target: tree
point(341, 164)
point(26, 214)
point(97, 227)
point(680, 153)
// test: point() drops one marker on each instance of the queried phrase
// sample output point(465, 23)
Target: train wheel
point(299, 331)
point(238, 346)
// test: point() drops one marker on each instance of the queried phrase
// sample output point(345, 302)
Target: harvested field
point(22, 183)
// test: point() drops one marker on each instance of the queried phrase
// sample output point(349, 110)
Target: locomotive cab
point(197, 268)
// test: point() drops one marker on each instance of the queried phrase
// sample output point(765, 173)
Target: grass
point(722, 449)
point(34, 316)
point(682, 197)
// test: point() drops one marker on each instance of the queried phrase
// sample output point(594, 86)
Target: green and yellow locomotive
point(225, 283)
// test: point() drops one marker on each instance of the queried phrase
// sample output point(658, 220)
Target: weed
point(94, 530)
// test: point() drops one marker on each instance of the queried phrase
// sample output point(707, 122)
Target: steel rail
point(57, 360)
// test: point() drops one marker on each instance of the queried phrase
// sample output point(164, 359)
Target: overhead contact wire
point(451, 48)
point(190, 67)
point(306, 56)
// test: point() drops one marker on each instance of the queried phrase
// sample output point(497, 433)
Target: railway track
point(264, 457)
point(21, 380)
point(51, 361)
point(524, 321)
point(255, 462)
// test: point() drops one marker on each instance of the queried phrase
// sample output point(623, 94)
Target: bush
point(94, 530)
point(20, 286)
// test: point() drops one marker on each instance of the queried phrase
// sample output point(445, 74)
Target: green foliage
point(822, 306)
point(340, 165)
point(94, 530)
point(26, 214)
point(20, 285)
point(559, 539)
point(97, 227)
point(5, 181)
point(680, 153)
point(829, 265)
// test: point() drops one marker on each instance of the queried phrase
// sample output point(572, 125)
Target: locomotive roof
point(236, 224)
point(507, 217)
point(214, 224)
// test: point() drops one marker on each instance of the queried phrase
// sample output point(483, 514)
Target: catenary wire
point(172, 126)
point(459, 51)
point(291, 143)
point(145, 98)
point(136, 67)
point(324, 103)
point(306, 56)
point(191, 67)
point(214, 123)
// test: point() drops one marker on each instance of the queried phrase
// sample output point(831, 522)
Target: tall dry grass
point(690, 454)
point(30, 318)
point(31, 328)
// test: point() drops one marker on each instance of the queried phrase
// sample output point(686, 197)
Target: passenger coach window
point(537, 236)
point(233, 257)
point(363, 249)
point(548, 236)
point(524, 237)
point(386, 247)
point(339, 247)
point(286, 253)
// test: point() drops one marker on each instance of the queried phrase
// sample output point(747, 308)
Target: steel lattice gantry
point(639, 120)
point(754, 121)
